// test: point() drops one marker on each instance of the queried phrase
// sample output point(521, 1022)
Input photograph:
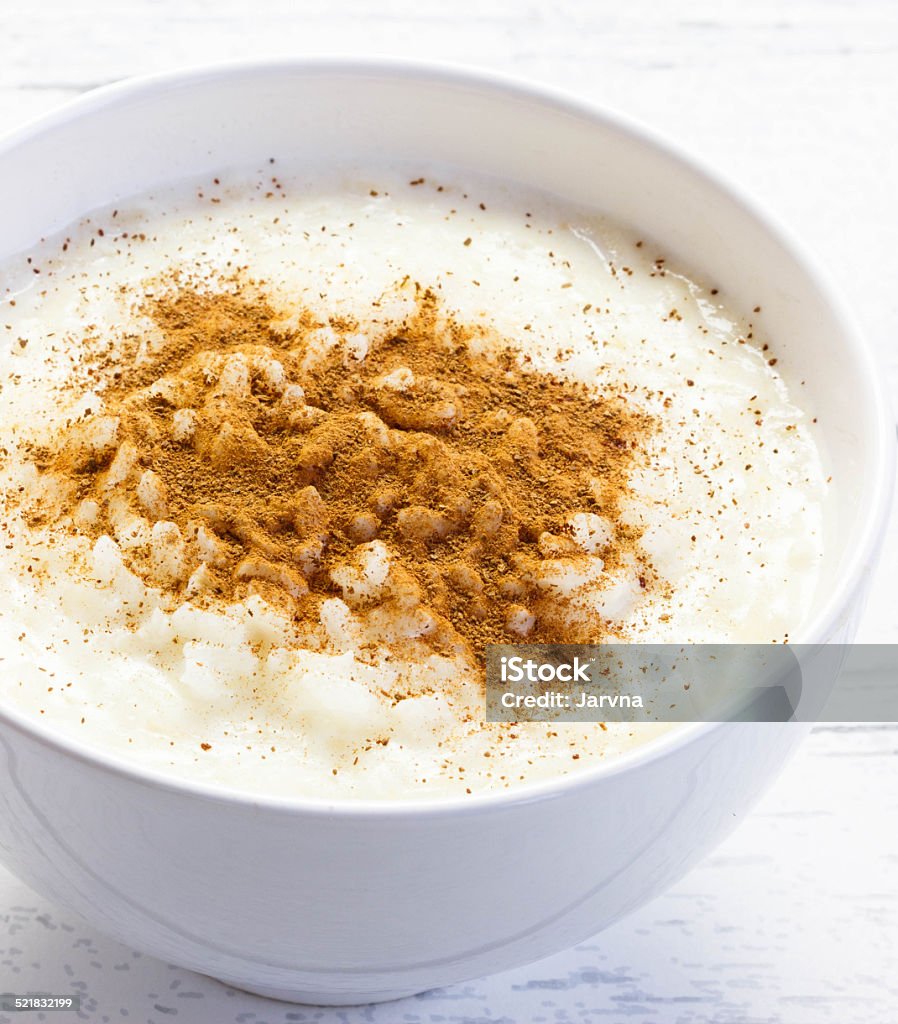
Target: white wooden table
point(794, 919)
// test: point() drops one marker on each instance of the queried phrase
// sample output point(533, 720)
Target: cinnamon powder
point(265, 452)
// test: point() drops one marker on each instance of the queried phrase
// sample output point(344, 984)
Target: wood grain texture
point(794, 920)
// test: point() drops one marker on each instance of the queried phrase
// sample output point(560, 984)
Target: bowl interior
point(130, 138)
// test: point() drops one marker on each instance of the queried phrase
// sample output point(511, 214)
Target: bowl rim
point(865, 541)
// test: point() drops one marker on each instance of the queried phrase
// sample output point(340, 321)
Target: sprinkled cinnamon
point(263, 453)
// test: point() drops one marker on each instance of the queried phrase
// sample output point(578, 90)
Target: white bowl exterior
point(351, 905)
point(330, 908)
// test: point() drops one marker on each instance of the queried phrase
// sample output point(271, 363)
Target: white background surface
point(794, 919)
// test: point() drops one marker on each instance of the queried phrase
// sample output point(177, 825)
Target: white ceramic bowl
point(350, 903)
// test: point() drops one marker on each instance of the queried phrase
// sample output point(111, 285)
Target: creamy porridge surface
point(280, 455)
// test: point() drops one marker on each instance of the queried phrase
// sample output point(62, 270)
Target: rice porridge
point(281, 455)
